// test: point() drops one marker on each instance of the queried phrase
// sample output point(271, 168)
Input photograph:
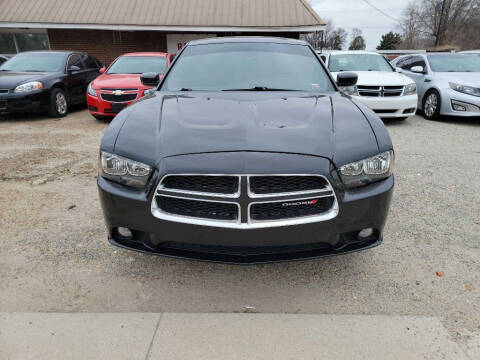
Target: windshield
point(454, 63)
point(358, 62)
point(138, 65)
point(247, 66)
point(41, 62)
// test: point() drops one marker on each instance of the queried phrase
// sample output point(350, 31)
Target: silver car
point(447, 83)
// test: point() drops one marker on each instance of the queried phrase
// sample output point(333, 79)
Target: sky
point(357, 13)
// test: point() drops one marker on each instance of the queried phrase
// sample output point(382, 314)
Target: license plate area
point(117, 107)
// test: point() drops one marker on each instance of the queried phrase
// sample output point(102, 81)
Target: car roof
point(247, 39)
point(52, 52)
point(149, 53)
point(338, 52)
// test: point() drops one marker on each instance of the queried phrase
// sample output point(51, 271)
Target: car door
point(76, 78)
point(421, 79)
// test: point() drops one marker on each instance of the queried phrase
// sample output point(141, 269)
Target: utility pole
point(440, 7)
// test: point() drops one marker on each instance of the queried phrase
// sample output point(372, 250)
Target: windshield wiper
point(259, 88)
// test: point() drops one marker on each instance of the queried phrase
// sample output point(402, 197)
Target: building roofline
point(180, 28)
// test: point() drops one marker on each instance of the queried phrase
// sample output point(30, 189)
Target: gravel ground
point(54, 255)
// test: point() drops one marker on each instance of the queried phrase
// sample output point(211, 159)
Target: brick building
point(108, 28)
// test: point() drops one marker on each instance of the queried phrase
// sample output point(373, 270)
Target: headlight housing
point(470, 90)
point(124, 171)
point(369, 170)
point(410, 89)
point(349, 90)
point(91, 91)
point(27, 87)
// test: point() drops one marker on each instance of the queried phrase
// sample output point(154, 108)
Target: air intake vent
point(198, 208)
point(290, 209)
point(263, 185)
point(202, 184)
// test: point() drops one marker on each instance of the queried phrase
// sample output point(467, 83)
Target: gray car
point(447, 83)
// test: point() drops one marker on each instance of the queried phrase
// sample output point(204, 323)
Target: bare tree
point(441, 22)
point(330, 38)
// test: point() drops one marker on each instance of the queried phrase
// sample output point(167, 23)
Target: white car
point(379, 86)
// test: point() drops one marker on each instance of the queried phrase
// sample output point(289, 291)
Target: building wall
point(106, 45)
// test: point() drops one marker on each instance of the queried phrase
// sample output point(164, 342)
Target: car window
point(358, 62)
point(29, 62)
point(89, 62)
point(228, 66)
point(454, 63)
point(400, 61)
point(75, 60)
point(414, 61)
point(138, 65)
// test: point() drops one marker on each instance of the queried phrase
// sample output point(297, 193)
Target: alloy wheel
point(61, 103)
point(430, 106)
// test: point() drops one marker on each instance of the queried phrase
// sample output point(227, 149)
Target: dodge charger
point(246, 152)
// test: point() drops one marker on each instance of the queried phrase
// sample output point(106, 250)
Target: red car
point(119, 85)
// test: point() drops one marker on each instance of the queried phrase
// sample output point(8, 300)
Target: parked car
point(246, 152)
point(37, 81)
point(120, 84)
point(387, 93)
point(448, 83)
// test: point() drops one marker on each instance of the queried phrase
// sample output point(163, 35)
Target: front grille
point(290, 209)
point(380, 91)
point(4, 91)
point(3, 104)
point(202, 184)
point(118, 98)
point(262, 185)
point(244, 201)
point(197, 208)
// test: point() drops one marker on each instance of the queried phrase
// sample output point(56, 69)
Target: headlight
point(470, 90)
point(123, 170)
point(30, 86)
point(91, 91)
point(349, 90)
point(410, 89)
point(149, 91)
point(369, 170)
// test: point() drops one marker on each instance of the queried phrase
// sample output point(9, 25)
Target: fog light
point(457, 106)
point(365, 233)
point(125, 232)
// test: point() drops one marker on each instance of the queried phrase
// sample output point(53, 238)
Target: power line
point(380, 10)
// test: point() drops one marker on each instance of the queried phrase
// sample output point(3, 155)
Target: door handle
point(427, 80)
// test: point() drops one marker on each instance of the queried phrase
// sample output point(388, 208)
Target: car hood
point(165, 125)
point(379, 78)
point(463, 78)
point(9, 79)
point(118, 81)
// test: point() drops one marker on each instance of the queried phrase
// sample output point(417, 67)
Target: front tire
point(431, 105)
point(58, 103)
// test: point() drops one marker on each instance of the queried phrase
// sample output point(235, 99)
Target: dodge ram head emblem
point(300, 203)
point(117, 92)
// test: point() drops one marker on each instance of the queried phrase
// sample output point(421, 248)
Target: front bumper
point(35, 101)
point(470, 103)
point(99, 107)
point(391, 107)
point(361, 208)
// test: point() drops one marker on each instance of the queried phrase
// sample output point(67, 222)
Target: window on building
point(7, 44)
point(15, 42)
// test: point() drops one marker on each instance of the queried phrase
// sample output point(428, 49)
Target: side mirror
point(102, 69)
point(73, 68)
point(150, 79)
point(417, 69)
point(345, 79)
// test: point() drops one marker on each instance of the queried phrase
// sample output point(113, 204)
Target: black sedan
point(246, 153)
point(37, 81)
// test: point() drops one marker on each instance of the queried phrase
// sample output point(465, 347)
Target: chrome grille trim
point(380, 91)
point(4, 91)
point(248, 201)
